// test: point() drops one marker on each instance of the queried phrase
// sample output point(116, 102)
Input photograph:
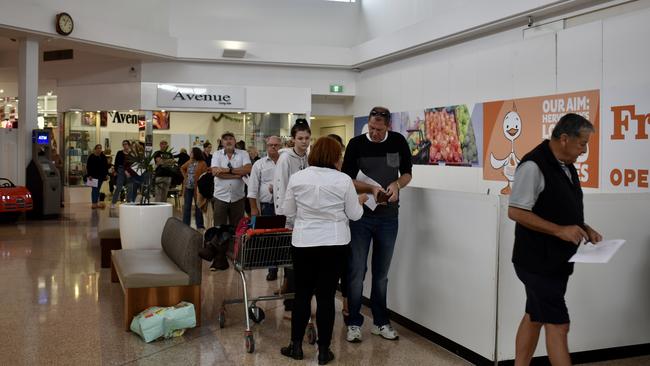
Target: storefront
point(184, 115)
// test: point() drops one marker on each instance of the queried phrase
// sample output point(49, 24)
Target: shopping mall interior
point(454, 74)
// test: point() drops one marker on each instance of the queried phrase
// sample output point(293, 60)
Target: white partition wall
point(443, 274)
point(609, 304)
point(452, 273)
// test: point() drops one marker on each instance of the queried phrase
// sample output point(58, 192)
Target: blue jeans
point(133, 185)
point(120, 179)
point(188, 197)
point(94, 194)
point(268, 209)
point(383, 233)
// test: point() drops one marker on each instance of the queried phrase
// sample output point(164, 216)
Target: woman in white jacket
point(323, 200)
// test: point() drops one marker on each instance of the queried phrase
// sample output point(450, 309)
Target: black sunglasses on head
point(379, 113)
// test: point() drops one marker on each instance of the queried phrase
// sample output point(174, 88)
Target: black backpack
point(205, 185)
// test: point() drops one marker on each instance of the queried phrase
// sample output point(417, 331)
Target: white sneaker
point(386, 331)
point(354, 334)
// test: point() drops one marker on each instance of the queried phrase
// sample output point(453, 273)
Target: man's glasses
point(379, 113)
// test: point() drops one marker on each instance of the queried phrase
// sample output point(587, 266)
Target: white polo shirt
point(261, 180)
point(229, 190)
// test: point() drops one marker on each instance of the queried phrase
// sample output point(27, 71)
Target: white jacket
point(322, 201)
point(288, 164)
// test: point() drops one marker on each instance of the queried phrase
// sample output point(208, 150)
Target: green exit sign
point(334, 88)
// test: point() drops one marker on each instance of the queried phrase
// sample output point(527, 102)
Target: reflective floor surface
point(57, 307)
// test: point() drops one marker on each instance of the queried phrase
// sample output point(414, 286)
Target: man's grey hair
point(572, 125)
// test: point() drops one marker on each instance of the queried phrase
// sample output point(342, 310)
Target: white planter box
point(141, 226)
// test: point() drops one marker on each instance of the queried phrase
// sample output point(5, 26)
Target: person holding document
point(384, 157)
point(546, 204)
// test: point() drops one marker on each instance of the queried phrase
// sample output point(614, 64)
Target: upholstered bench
point(161, 277)
point(109, 239)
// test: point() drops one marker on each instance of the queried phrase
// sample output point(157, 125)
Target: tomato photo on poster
point(514, 127)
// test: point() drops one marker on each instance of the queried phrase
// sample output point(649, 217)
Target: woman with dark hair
point(323, 200)
point(290, 161)
point(192, 170)
point(96, 169)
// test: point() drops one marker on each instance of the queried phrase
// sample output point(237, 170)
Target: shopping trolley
point(259, 249)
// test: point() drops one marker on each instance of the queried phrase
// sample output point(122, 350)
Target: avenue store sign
point(208, 97)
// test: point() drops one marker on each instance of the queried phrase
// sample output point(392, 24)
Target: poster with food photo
point(450, 135)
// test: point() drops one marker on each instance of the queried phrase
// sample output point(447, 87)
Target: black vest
point(561, 203)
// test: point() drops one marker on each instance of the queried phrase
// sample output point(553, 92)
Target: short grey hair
point(572, 125)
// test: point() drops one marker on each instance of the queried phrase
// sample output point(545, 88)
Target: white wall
point(452, 273)
point(443, 276)
point(317, 80)
point(608, 303)
point(506, 66)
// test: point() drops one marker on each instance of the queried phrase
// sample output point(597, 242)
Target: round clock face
point(64, 24)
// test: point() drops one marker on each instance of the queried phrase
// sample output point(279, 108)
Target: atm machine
point(43, 178)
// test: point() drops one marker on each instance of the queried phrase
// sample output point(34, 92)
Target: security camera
point(530, 21)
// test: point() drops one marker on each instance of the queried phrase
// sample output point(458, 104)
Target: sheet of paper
point(92, 182)
point(371, 203)
point(599, 253)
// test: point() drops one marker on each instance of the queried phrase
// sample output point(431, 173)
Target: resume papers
point(599, 253)
point(371, 203)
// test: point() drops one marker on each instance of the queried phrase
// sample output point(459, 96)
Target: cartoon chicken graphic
point(511, 130)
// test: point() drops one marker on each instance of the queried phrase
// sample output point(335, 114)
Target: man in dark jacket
point(546, 204)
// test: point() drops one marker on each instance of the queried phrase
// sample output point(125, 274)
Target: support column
point(27, 102)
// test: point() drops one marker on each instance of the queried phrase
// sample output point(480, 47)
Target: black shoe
point(325, 356)
point(288, 304)
point(272, 276)
point(293, 350)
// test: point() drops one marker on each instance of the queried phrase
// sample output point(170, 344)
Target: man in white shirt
point(229, 165)
point(260, 187)
point(260, 183)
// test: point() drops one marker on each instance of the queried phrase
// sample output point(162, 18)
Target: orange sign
point(514, 127)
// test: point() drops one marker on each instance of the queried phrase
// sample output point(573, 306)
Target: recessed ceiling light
point(2, 90)
point(163, 111)
point(113, 110)
point(98, 111)
point(130, 110)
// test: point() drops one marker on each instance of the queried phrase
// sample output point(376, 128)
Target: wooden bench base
point(106, 245)
point(139, 299)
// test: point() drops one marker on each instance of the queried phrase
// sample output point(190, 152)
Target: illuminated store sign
point(210, 97)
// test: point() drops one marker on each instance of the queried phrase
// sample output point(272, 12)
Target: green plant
point(142, 162)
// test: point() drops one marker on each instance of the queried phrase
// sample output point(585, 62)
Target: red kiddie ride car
point(14, 200)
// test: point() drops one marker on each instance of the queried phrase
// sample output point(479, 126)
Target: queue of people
point(322, 192)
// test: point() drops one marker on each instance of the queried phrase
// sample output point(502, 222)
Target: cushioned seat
point(148, 268)
point(160, 277)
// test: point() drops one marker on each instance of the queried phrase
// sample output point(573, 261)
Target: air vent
point(58, 55)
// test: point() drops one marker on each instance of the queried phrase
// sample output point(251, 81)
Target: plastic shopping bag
point(156, 322)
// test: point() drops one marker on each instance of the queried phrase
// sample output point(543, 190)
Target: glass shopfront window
point(85, 129)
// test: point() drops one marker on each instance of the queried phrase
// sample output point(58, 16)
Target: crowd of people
point(323, 191)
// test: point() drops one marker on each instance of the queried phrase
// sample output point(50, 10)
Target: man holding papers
point(383, 157)
point(546, 204)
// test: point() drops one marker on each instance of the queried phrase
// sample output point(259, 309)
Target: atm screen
point(46, 167)
point(43, 138)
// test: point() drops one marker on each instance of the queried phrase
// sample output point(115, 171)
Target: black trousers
point(317, 271)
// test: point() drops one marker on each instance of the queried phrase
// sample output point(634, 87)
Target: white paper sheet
point(92, 182)
point(600, 253)
point(371, 203)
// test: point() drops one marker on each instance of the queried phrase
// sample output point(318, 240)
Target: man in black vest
point(546, 204)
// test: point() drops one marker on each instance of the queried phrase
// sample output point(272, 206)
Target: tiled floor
point(57, 307)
